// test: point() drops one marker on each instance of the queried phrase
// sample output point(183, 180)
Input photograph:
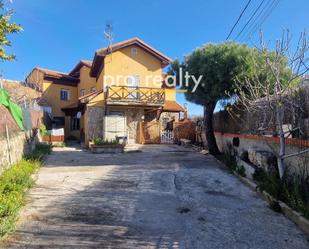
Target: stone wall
point(12, 149)
point(94, 122)
point(166, 117)
point(134, 116)
point(296, 164)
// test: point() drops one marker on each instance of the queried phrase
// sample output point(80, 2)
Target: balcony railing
point(136, 95)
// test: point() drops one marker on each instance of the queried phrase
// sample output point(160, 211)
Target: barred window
point(64, 94)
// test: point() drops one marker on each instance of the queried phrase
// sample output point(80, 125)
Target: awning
point(73, 109)
point(172, 106)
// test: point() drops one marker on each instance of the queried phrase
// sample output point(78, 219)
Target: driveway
point(162, 197)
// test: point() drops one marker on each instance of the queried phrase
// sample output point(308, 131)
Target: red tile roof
point(50, 72)
point(79, 65)
point(61, 77)
point(136, 41)
point(90, 95)
point(172, 106)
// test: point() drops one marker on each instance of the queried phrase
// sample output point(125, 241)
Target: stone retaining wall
point(12, 150)
point(295, 164)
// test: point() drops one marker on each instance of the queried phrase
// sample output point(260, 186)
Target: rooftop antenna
point(108, 34)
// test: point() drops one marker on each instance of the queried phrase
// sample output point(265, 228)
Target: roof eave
point(96, 65)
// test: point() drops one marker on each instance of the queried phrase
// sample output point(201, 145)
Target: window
point(82, 92)
point(133, 51)
point(64, 94)
point(75, 123)
point(93, 89)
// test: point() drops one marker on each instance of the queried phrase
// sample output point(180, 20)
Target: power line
point(252, 16)
point(241, 14)
point(256, 20)
point(264, 18)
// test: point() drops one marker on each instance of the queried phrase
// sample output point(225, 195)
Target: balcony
point(126, 95)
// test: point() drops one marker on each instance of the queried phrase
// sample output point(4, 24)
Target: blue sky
point(58, 33)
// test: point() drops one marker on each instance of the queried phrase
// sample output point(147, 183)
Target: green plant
point(6, 28)
point(14, 182)
point(59, 144)
point(101, 141)
point(293, 189)
point(39, 152)
point(43, 130)
point(240, 170)
point(230, 161)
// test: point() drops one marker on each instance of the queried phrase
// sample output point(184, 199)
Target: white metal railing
point(167, 137)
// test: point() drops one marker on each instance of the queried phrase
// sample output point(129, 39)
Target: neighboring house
point(28, 99)
point(19, 92)
point(88, 102)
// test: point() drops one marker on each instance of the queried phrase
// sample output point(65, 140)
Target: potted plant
point(99, 145)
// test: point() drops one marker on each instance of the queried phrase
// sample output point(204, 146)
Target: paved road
point(163, 197)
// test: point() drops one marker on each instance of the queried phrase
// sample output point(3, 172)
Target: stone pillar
point(94, 119)
point(134, 116)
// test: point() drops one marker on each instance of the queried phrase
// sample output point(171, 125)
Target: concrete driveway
point(162, 197)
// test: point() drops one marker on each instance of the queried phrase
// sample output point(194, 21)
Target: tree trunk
point(280, 160)
point(210, 136)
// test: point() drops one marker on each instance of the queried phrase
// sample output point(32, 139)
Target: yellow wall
point(170, 94)
point(97, 101)
point(123, 63)
point(86, 82)
point(52, 95)
point(120, 62)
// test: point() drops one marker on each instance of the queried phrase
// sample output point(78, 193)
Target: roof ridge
point(135, 39)
point(46, 69)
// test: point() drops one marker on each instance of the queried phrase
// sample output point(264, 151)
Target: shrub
point(240, 170)
point(293, 189)
point(230, 161)
point(14, 182)
point(101, 141)
point(43, 130)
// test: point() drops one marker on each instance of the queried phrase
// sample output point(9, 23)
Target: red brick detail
point(50, 138)
point(289, 141)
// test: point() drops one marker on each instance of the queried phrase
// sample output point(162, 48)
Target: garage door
point(114, 125)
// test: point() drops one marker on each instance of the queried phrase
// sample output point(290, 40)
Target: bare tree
point(273, 93)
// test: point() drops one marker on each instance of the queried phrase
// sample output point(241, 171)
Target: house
point(108, 96)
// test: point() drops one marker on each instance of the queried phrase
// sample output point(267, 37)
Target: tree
point(222, 66)
point(277, 98)
point(6, 27)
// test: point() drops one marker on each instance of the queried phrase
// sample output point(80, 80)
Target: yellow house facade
point(108, 96)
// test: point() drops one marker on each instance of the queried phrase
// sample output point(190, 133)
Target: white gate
point(167, 137)
point(114, 125)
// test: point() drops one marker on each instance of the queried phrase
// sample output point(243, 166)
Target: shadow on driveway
point(162, 197)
